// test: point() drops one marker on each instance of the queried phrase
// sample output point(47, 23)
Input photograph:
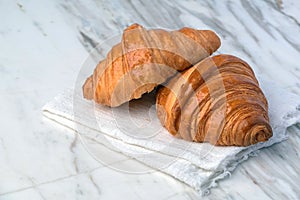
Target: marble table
point(42, 47)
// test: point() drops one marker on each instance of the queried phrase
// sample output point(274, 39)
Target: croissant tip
point(87, 88)
point(213, 39)
point(262, 136)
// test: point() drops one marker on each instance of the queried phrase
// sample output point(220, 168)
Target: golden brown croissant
point(144, 59)
point(218, 101)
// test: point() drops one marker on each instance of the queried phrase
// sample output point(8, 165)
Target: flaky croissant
point(218, 101)
point(144, 59)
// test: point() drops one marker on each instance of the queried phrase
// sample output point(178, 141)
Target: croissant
point(145, 59)
point(218, 101)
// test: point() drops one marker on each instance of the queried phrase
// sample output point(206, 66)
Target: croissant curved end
point(212, 38)
point(260, 133)
point(262, 136)
point(87, 88)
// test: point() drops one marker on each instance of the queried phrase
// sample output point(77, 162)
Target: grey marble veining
point(258, 31)
point(43, 45)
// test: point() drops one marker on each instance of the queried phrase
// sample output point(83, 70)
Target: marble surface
point(43, 46)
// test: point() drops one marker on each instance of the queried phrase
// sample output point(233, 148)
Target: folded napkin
point(134, 130)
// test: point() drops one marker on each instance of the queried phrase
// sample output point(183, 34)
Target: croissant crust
point(218, 101)
point(144, 59)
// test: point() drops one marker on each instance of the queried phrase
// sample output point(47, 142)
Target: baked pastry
point(144, 59)
point(218, 101)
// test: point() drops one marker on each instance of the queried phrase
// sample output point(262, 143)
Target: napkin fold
point(134, 130)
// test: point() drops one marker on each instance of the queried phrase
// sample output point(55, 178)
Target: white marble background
point(42, 47)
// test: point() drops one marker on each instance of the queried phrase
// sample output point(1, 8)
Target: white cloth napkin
point(136, 132)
